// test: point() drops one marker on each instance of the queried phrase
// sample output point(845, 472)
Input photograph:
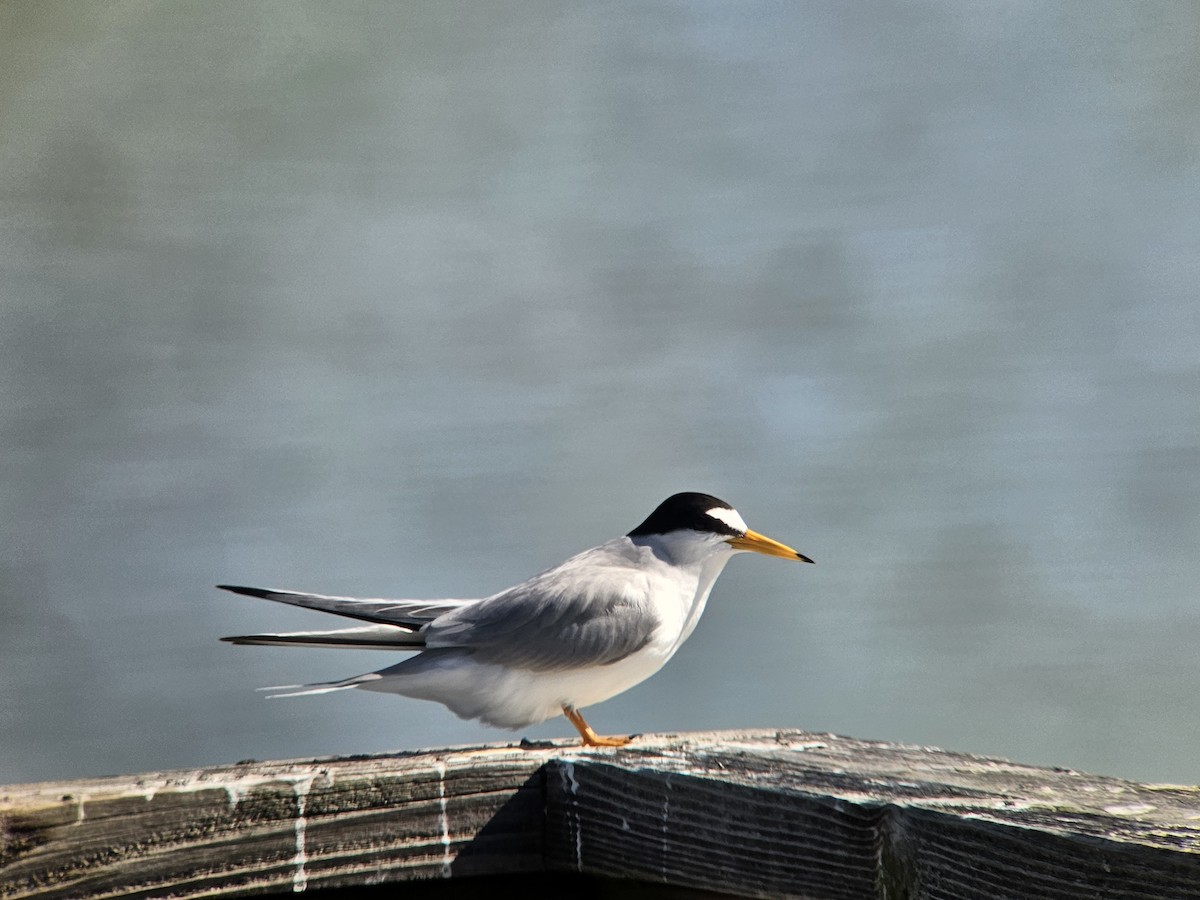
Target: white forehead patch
point(730, 517)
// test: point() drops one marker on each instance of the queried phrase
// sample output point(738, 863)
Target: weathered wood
point(752, 813)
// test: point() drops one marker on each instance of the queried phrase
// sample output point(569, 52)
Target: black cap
point(687, 511)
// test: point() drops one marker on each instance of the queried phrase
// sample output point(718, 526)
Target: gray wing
point(409, 614)
point(546, 629)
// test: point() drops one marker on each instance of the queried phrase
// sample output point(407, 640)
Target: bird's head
point(708, 522)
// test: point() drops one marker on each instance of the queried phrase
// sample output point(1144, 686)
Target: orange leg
point(590, 738)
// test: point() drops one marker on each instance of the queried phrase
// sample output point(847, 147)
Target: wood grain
point(763, 813)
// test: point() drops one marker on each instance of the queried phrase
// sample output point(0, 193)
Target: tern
point(569, 637)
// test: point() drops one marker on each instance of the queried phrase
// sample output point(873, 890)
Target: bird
point(569, 637)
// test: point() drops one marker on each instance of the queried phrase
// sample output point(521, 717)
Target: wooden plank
point(829, 817)
point(763, 813)
point(274, 827)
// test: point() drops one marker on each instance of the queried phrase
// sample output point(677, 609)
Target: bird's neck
point(685, 552)
point(706, 576)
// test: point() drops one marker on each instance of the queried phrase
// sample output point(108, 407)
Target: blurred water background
point(417, 299)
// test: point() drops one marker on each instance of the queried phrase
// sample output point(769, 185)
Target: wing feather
point(409, 614)
point(544, 631)
point(380, 637)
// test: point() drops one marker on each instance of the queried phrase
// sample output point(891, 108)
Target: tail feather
point(396, 625)
point(320, 687)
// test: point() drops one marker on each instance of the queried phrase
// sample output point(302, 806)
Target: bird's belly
point(528, 697)
point(514, 698)
point(594, 685)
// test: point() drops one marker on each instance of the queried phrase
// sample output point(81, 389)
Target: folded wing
point(533, 626)
point(541, 625)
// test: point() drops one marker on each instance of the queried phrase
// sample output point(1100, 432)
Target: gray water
point(418, 299)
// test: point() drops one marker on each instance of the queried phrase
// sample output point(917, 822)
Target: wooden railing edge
point(760, 813)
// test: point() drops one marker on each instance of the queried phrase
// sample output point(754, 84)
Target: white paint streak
point(572, 786)
point(445, 819)
point(236, 793)
point(299, 878)
point(569, 774)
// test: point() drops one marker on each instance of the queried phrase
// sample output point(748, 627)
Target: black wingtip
point(803, 558)
point(247, 591)
point(243, 640)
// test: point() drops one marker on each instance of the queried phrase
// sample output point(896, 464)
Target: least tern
point(574, 635)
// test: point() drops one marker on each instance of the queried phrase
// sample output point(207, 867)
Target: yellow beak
point(760, 543)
